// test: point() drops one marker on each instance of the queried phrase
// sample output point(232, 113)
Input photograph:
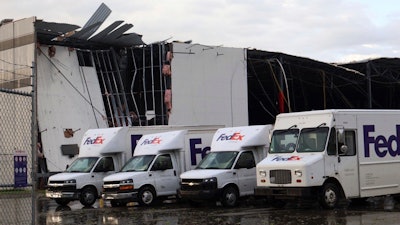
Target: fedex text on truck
point(381, 145)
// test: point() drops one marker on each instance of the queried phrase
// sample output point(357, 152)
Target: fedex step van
point(152, 174)
point(332, 155)
point(102, 152)
point(229, 170)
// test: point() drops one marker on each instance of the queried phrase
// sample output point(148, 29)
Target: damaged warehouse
point(111, 78)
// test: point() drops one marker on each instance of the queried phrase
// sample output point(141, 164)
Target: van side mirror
point(341, 135)
point(343, 149)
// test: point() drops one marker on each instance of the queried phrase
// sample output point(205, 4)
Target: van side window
point(331, 149)
point(246, 160)
point(105, 164)
point(163, 162)
point(350, 139)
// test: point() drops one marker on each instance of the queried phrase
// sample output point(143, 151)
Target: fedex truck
point(152, 174)
point(332, 155)
point(102, 152)
point(228, 172)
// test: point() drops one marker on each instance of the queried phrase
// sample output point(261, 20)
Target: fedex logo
point(94, 141)
point(382, 145)
point(234, 137)
point(194, 145)
point(291, 158)
point(155, 141)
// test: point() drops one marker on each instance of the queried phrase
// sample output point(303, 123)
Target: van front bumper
point(289, 192)
point(200, 194)
point(62, 194)
point(119, 196)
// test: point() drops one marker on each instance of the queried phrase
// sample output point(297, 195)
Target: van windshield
point(284, 141)
point(138, 163)
point(218, 160)
point(82, 165)
point(313, 139)
point(309, 140)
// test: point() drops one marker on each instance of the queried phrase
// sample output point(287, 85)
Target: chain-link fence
point(16, 183)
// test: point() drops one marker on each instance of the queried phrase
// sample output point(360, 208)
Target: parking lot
point(373, 211)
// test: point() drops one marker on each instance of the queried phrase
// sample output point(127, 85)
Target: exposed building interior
point(136, 78)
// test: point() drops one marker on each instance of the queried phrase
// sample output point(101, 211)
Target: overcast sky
point(324, 30)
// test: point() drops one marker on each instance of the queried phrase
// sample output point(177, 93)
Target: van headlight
point(72, 181)
point(298, 173)
point(128, 181)
point(262, 173)
point(210, 180)
point(126, 185)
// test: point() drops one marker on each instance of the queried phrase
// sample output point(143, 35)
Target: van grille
point(280, 176)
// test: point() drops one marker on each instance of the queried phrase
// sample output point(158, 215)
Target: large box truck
point(102, 152)
point(152, 174)
point(332, 155)
point(228, 172)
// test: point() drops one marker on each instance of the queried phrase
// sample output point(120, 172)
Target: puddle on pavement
point(375, 210)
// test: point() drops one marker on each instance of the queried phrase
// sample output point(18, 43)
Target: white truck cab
point(228, 171)
point(152, 174)
point(330, 155)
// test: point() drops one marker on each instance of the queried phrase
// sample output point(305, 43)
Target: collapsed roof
point(67, 35)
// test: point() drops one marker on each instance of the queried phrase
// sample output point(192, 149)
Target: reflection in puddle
point(372, 211)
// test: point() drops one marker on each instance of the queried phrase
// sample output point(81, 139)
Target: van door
point(348, 165)
point(163, 173)
point(105, 166)
point(246, 172)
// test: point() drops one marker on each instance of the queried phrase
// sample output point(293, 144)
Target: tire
point(329, 196)
point(229, 197)
point(62, 201)
point(88, 196)
point(146, 196)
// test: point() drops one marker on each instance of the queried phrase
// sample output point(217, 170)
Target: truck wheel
point(146, 196)
point(62, 201)
point(88, 196)
point(229, 197)
point(329, 196)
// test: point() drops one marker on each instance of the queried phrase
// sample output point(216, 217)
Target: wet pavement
point(374, 211)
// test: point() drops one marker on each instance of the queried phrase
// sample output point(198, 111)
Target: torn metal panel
point(47, 33)
point(130, 40)
point(82, 34)
point(96, 20)
point(106, 31)
point(117, 33)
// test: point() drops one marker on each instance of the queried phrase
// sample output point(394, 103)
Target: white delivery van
point(229, 170)
point(330, 155)
point(102, 152)
point(153, 172)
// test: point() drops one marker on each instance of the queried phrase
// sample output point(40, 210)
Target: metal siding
point(209, 86)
